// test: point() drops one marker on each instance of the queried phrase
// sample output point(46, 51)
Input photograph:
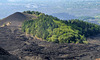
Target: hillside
point(16, 19)
point(28, 46)
point(31, 48)
point(52, 29)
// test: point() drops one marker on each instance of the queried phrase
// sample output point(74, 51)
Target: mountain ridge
point(16, 19)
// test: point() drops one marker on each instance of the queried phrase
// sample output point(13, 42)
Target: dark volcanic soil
point(31, 48)
point(4, 55)
point(16, 19)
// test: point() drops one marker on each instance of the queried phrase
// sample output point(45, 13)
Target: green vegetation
point(85, 28)
point(52, 29)
point(33, 12)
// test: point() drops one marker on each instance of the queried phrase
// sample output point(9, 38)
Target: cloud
point(31, 6)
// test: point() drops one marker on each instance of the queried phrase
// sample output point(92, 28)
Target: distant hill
point(64, 16)
point(95, 19)
point(16, 19)
point(85, 18)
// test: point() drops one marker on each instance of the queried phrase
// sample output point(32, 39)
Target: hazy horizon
point(75, 8)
